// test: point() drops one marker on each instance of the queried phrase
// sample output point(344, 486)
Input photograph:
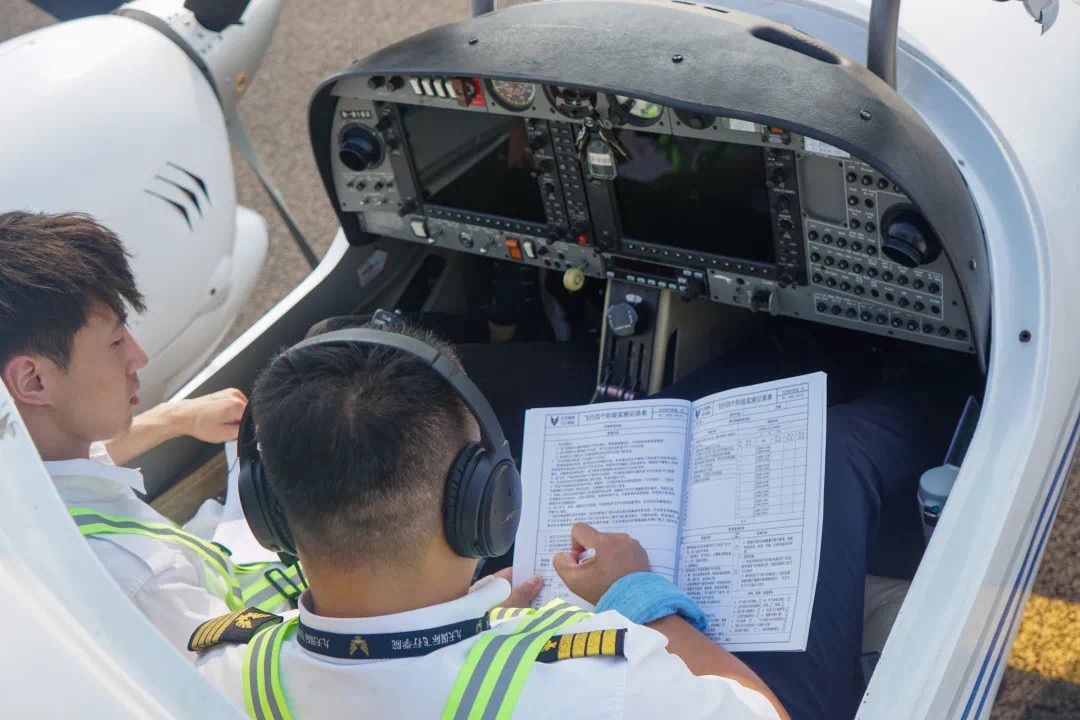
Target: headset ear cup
point(501, 512)
point(482, 505)
point(458, 522)
point(280, 534)
point(261, 509)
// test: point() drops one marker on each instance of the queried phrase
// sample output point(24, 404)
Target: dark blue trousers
point(879, 440)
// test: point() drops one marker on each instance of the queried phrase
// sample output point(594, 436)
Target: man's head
point(66, 355)
point(357, 442)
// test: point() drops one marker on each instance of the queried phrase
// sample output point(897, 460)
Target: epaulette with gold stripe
point(236, 627)
point(595, 643)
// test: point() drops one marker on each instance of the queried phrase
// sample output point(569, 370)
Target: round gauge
point(512, 95)
point(571, 102)
point(636, 112)
point(696, 121)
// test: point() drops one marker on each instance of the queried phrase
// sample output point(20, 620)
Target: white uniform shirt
point(172, 586)
point(648, 684)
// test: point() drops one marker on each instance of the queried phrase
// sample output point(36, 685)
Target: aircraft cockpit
point(735, 164)
point(639, 188)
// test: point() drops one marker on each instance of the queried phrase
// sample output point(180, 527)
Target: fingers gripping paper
point(724, 493)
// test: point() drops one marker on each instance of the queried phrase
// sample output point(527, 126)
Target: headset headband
point(446, 367)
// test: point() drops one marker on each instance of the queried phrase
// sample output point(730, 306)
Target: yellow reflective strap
point(92, 523)
point(263, 695)
point(467, 685)
point(263, 593)
point(251, 675)
point(513, 674)
point(277, 693)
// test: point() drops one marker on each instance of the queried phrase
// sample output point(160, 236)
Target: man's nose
point(138, 358)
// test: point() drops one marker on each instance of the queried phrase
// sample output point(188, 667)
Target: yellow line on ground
point(1048, 642)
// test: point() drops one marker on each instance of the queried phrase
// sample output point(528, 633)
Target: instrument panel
point(561, 177)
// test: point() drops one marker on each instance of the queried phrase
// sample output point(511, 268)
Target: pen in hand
point(586, 555)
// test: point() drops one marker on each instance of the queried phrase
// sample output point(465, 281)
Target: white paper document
point(724, 493)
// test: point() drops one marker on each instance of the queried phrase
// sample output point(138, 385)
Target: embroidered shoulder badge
point(236, 627)
point(597, 643)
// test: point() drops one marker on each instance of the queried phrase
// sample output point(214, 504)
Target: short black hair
point(356, 442)
point(54, 268)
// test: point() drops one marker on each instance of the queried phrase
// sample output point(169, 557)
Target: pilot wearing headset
point(370, 456)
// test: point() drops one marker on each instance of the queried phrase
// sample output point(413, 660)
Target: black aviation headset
point(482, 505)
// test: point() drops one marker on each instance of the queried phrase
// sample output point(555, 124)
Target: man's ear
point(26, 380)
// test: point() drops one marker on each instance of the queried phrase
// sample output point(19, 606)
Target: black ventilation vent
point(190, 185)
point(198, 180)
point(804, 45)
point(182, 210)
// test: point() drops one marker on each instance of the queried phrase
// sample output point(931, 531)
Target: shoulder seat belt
point(264, 592)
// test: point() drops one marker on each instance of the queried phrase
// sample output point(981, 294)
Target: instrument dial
point(516, 96)
point(635, 111)
point(571, 102)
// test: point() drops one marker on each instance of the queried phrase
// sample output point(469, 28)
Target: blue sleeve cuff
point(645, 596)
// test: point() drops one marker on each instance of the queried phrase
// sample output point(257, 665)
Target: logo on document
point(554, 420)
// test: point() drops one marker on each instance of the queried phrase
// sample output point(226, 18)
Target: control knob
point(573, 279)
point(908, 238)
point(360, 148)
point(622, 319)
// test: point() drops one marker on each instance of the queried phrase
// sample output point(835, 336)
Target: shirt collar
point(483, 596)
point(106, 477)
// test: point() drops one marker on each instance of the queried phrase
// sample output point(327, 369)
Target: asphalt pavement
point(316, 38)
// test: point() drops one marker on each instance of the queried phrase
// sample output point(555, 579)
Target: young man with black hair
point(892, 410)
point(356, 443)
point(71, 365)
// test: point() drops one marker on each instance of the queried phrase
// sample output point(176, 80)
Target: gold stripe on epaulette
point(607, 645)
point(565, 643)
point(594, 643)
point(579, 645)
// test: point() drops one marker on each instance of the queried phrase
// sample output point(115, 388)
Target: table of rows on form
point(763, 446)
point(746, 574)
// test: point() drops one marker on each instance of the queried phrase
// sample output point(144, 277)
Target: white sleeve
point(658, 684)
point(170, 594)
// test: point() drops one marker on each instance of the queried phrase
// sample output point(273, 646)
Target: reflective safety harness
point(487, 687)
point(265, 592)
point(490, 683)
point(269, 584)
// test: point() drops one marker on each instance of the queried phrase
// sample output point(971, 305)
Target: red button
point(582, 240)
